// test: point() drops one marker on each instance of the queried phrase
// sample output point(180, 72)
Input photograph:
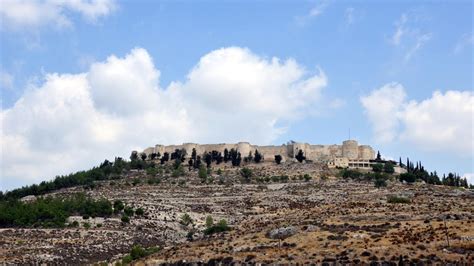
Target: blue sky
point(355, 55)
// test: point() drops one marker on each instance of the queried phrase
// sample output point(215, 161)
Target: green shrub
point(129, 211)
point(380, 182)
point(86, 225)
point(388, 168)
point(202, 173)
point(139, 211)
point(284, 178)
point(151, 171)
point(307, 177)
point(125, 219)
point(209, 221)
point(186, 219)
point(127, 259)
point(219, 171)
point(397, 199)
point(221, 226)
point(246, 173)
point(137, 252)
point(377, 168)
point(407, 177)
point(275, 178)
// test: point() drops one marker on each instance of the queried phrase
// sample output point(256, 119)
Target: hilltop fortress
point(350, 150)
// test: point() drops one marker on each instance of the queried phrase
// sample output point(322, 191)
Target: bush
point(380, 182)
point(221, 226)
point(278, 159)
point(307, 177)
point(51, 212)
point(137, 252)
point(388, 168)
point(86, 225)
point(284, 178)
point(118, 206)
point(407, 177)
point(139, 211)
point(352, 174)
point(275, 178)
point(128, 211)
point(209, 221)
point(202, 172)
point(219, 171)
point(125, 219)
point(377, 168)
point(246, 173)
point(186, 219)
point(396, 199)
point(85, 217)
point(127, 259)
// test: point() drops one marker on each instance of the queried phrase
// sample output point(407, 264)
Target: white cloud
point(465, 41)
point(420, 41)
point(382, 106)
point(30, 15)
point(73, 121)
point(6, 80)
point(408, 37)
point(314, 12)
point(441, 123)
point(349, 15)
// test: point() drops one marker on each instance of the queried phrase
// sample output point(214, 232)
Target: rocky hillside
point(263, 213)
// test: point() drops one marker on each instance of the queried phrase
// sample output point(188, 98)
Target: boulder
point(282, 233)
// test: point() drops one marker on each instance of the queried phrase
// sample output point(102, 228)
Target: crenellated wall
point(349, 149)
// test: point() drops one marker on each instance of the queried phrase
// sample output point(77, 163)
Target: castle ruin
point(349, 149)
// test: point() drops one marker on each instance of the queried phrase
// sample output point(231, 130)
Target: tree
point(118, 206)
point(208, 159)
point(134, 156)
point(300, 156)
point(197, 162)
point(407, 177)
point(246, 173)
point(125, 218)
point(278, 159)
point(209, 221)
point(388, 168)
point(139, 212)
point(193, 154)
point(378, 167)
point(258, 157)
point(226, 155)
point(143, 156)
point(186, 219)
point(249, 158)
point(202, 173)
point(379, 158)
point(165, 158)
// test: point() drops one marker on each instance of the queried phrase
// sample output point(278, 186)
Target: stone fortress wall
point(349, 149)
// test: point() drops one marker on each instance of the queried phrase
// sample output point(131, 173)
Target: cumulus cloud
point(70, 122)
point(443, 122)
point(382, 106)
point(26, 14)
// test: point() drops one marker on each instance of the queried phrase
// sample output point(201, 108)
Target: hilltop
point(142, 211)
